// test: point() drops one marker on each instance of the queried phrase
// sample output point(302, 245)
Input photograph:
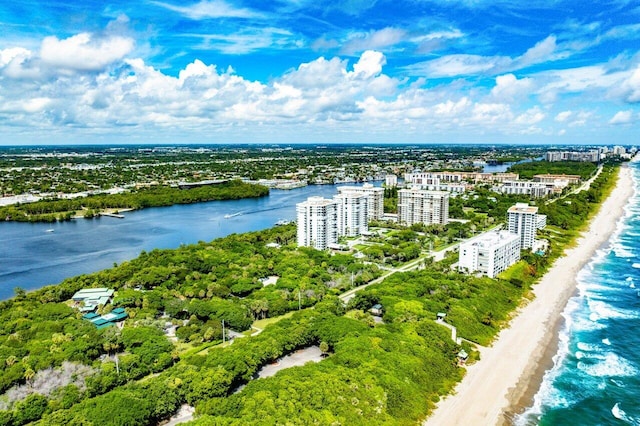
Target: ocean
point(595, 379)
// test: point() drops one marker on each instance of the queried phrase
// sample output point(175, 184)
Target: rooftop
point(523, 208)
point(489, 239)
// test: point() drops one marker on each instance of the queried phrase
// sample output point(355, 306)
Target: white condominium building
point(390, 180)
point(351, 213)
point(527, 187)
point(524, 220)
point(375, 199)
point(418, 206)
point(317, 222)
point(489, 253)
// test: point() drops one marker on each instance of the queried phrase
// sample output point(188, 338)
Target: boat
point(228, 216)
point(50, 230)
point(282, 222)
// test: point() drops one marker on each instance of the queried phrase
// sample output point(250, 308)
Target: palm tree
point(11, 360)
point(29, 374)
point(264, 308)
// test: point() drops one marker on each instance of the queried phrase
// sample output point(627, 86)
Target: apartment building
point(375, 199)
point(352, 218)
point(592, 155)
point(431, 178)
point(489, 253)
point(419, 206)
point(527, 187)
point(317, 222)
point(524, 220)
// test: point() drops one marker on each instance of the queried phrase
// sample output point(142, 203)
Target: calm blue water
point(31, 257)
point(596, 376)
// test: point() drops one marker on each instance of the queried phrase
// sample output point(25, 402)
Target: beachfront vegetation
point(156, 196)
point(375, 373)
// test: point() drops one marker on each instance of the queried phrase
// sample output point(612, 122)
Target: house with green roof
point(102, 321)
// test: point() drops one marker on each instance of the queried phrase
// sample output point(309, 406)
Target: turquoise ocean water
point(595, 379)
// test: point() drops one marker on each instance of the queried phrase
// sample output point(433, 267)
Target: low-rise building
point(489, 253)
point(526, 187)
point(102, 321)
point(88, 299)
point(557, 179)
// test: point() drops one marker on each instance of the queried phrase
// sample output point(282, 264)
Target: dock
point(116, 215)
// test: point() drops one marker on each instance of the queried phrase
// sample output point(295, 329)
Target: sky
point(296, 71)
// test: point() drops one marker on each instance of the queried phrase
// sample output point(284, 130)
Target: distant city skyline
point(223, 71)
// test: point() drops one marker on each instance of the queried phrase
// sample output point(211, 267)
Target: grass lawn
point(261, 324)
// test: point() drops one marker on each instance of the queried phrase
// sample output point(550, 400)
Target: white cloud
point(563, 116)
point(541, 52)
point(84, 52)
point(10, 54)
point(248, 40)
point(459, 64)
point(380, 39)
point(622, 117)
point(370, 64)
point(631, 86)
point(509, 87)
point(210, 10)
point(531, 116)
point(321, 96)
point(438, 35)
point(580, 119)
point(466, 64)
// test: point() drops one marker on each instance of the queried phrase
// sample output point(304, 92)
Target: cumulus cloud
point(509, 87)
point(84, 52)
point(370, 64)
point(93, 83)
point(622, 117)
point(531, 116)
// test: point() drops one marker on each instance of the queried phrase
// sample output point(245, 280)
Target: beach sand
point(510, 371)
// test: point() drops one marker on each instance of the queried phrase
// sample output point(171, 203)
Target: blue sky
point(207, 71)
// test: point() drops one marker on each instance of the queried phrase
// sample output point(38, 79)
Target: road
point(584, 187)
point(409, 266)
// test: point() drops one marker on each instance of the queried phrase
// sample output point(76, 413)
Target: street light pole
point(223, 336)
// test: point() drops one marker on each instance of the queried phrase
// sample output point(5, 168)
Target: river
point(38, 254)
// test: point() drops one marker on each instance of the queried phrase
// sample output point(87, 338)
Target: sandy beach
point(512, 367)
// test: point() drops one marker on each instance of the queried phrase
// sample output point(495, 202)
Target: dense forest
point(530, 169)
point(388, 372)
point(156, 196)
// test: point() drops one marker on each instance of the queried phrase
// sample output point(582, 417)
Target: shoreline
point(509, 373)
